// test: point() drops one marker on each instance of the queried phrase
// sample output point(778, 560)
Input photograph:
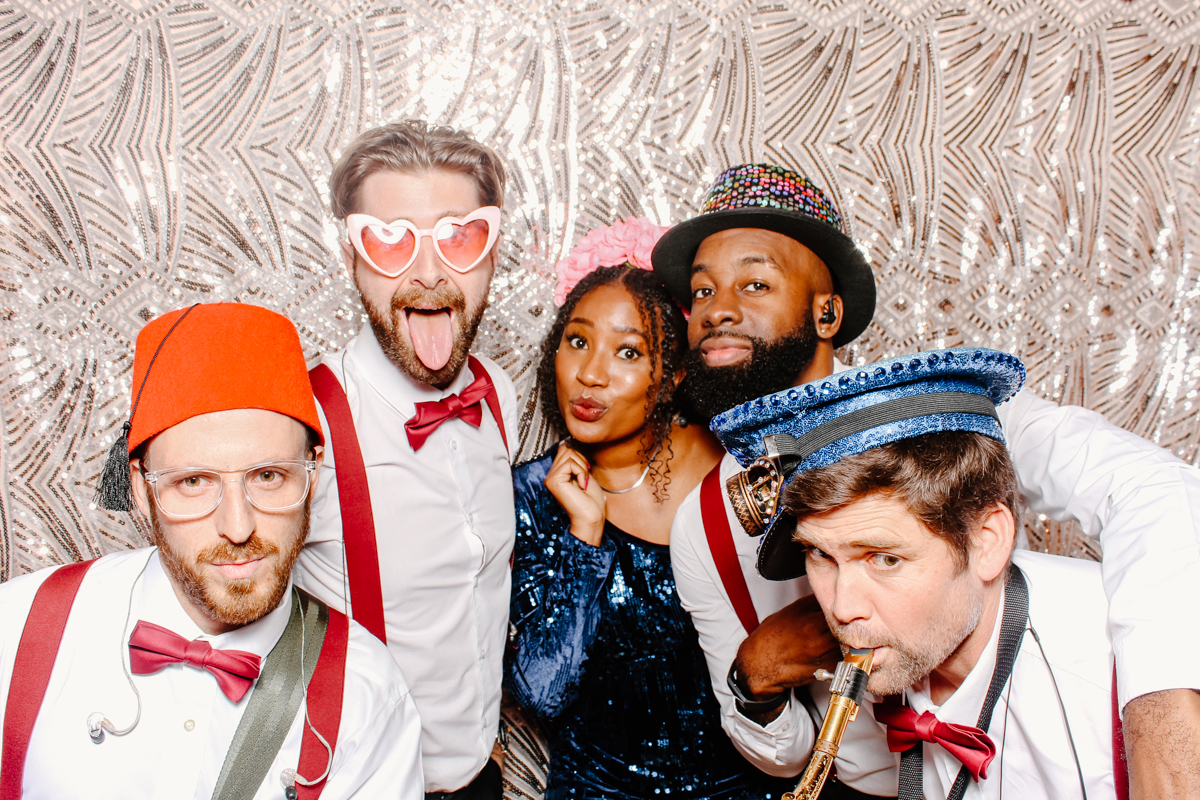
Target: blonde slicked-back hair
point(414, 146)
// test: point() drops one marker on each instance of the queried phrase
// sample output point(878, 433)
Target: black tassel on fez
point(115, 492)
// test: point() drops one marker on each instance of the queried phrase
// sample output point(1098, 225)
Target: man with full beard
point(413, 528)
point(194, 668)
point(774, 285)
point(900, 506)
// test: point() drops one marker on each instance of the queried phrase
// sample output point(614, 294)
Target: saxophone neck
point(849, 684)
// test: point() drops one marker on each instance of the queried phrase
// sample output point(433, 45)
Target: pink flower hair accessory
point(629, 242)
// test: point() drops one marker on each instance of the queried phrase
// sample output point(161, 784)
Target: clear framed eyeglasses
point(192, 492)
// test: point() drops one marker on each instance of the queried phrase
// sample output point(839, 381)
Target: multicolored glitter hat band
point(776, 199)
point(820, 423)
point(769, 186)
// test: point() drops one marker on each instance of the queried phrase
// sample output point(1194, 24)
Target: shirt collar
point(155, 601)
point(397, 389)
point(963, 707)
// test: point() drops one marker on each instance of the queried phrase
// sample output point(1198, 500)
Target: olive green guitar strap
point(274, 701)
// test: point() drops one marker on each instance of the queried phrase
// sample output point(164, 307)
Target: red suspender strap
point(32, 666)
point(354, 499)
point(720, 544)
point(324, 698)
point(491, 398)
point(1120, 766)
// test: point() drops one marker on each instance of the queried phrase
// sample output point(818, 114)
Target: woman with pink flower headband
point(603, 651)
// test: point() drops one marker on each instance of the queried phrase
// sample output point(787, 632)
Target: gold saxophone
point(846, 690)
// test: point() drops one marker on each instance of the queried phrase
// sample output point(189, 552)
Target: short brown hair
point(947, 480)
point(414, 146)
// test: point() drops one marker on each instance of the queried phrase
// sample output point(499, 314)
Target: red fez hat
point(203, 359)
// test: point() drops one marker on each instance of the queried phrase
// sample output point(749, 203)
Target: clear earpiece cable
point(291, 776)
point(97, 723)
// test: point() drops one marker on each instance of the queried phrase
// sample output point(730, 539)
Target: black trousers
point(486, 786)
point(836, 790)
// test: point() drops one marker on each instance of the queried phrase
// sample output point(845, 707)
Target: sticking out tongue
point(432, 335)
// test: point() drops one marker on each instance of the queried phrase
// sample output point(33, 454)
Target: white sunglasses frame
point(355, 223)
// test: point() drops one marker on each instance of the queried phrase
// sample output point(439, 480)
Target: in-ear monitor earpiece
point(828, 316)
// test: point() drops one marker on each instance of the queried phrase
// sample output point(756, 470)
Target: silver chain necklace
point(640, 480)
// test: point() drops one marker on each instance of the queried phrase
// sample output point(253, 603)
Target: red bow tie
point(153, 647)
point(433, 413)
point(906, 727)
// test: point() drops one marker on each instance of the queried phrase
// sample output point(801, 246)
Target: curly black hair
point(667, 336)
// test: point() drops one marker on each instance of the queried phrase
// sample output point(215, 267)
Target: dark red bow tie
point(153, 647)
point(465, 406)
point(906, 727)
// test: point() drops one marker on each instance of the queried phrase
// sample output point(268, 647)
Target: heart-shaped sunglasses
point(391, 248)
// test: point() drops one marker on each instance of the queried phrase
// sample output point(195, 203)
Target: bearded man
point(900, 504)
point(413, 530)
point(194, 668)
point(774, 285)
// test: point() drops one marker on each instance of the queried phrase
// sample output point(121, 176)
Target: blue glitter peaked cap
point(824, 421)
point(776, 199)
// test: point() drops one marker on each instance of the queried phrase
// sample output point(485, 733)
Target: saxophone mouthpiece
point(861, 658)
point(846, 690)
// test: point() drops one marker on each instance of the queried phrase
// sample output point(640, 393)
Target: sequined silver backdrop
point(1024, 175)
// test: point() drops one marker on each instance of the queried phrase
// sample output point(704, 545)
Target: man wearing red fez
point(413, 525)
point(195, 668)
point(775, 284)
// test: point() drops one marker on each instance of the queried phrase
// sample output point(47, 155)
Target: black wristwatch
point(746, 706)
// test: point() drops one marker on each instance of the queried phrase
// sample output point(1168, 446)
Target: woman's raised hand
point(570, 481)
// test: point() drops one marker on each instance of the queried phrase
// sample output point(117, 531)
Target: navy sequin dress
point(605, 652)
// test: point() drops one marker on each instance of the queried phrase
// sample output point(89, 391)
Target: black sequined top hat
point(780, 200)
point(822, 422)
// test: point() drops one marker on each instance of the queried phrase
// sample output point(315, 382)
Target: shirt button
point(189, 725)
point(453, 444)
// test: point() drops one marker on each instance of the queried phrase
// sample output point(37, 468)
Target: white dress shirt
point(180, 743)
point(783, 746)
point(1142, 502)
point(444, 529)
point(1035, 759)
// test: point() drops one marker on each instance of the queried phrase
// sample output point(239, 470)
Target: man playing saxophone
point(898, 502)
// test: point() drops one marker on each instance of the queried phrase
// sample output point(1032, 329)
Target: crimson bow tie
point(465, 406)
point(153, 647)
point(906, 727)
